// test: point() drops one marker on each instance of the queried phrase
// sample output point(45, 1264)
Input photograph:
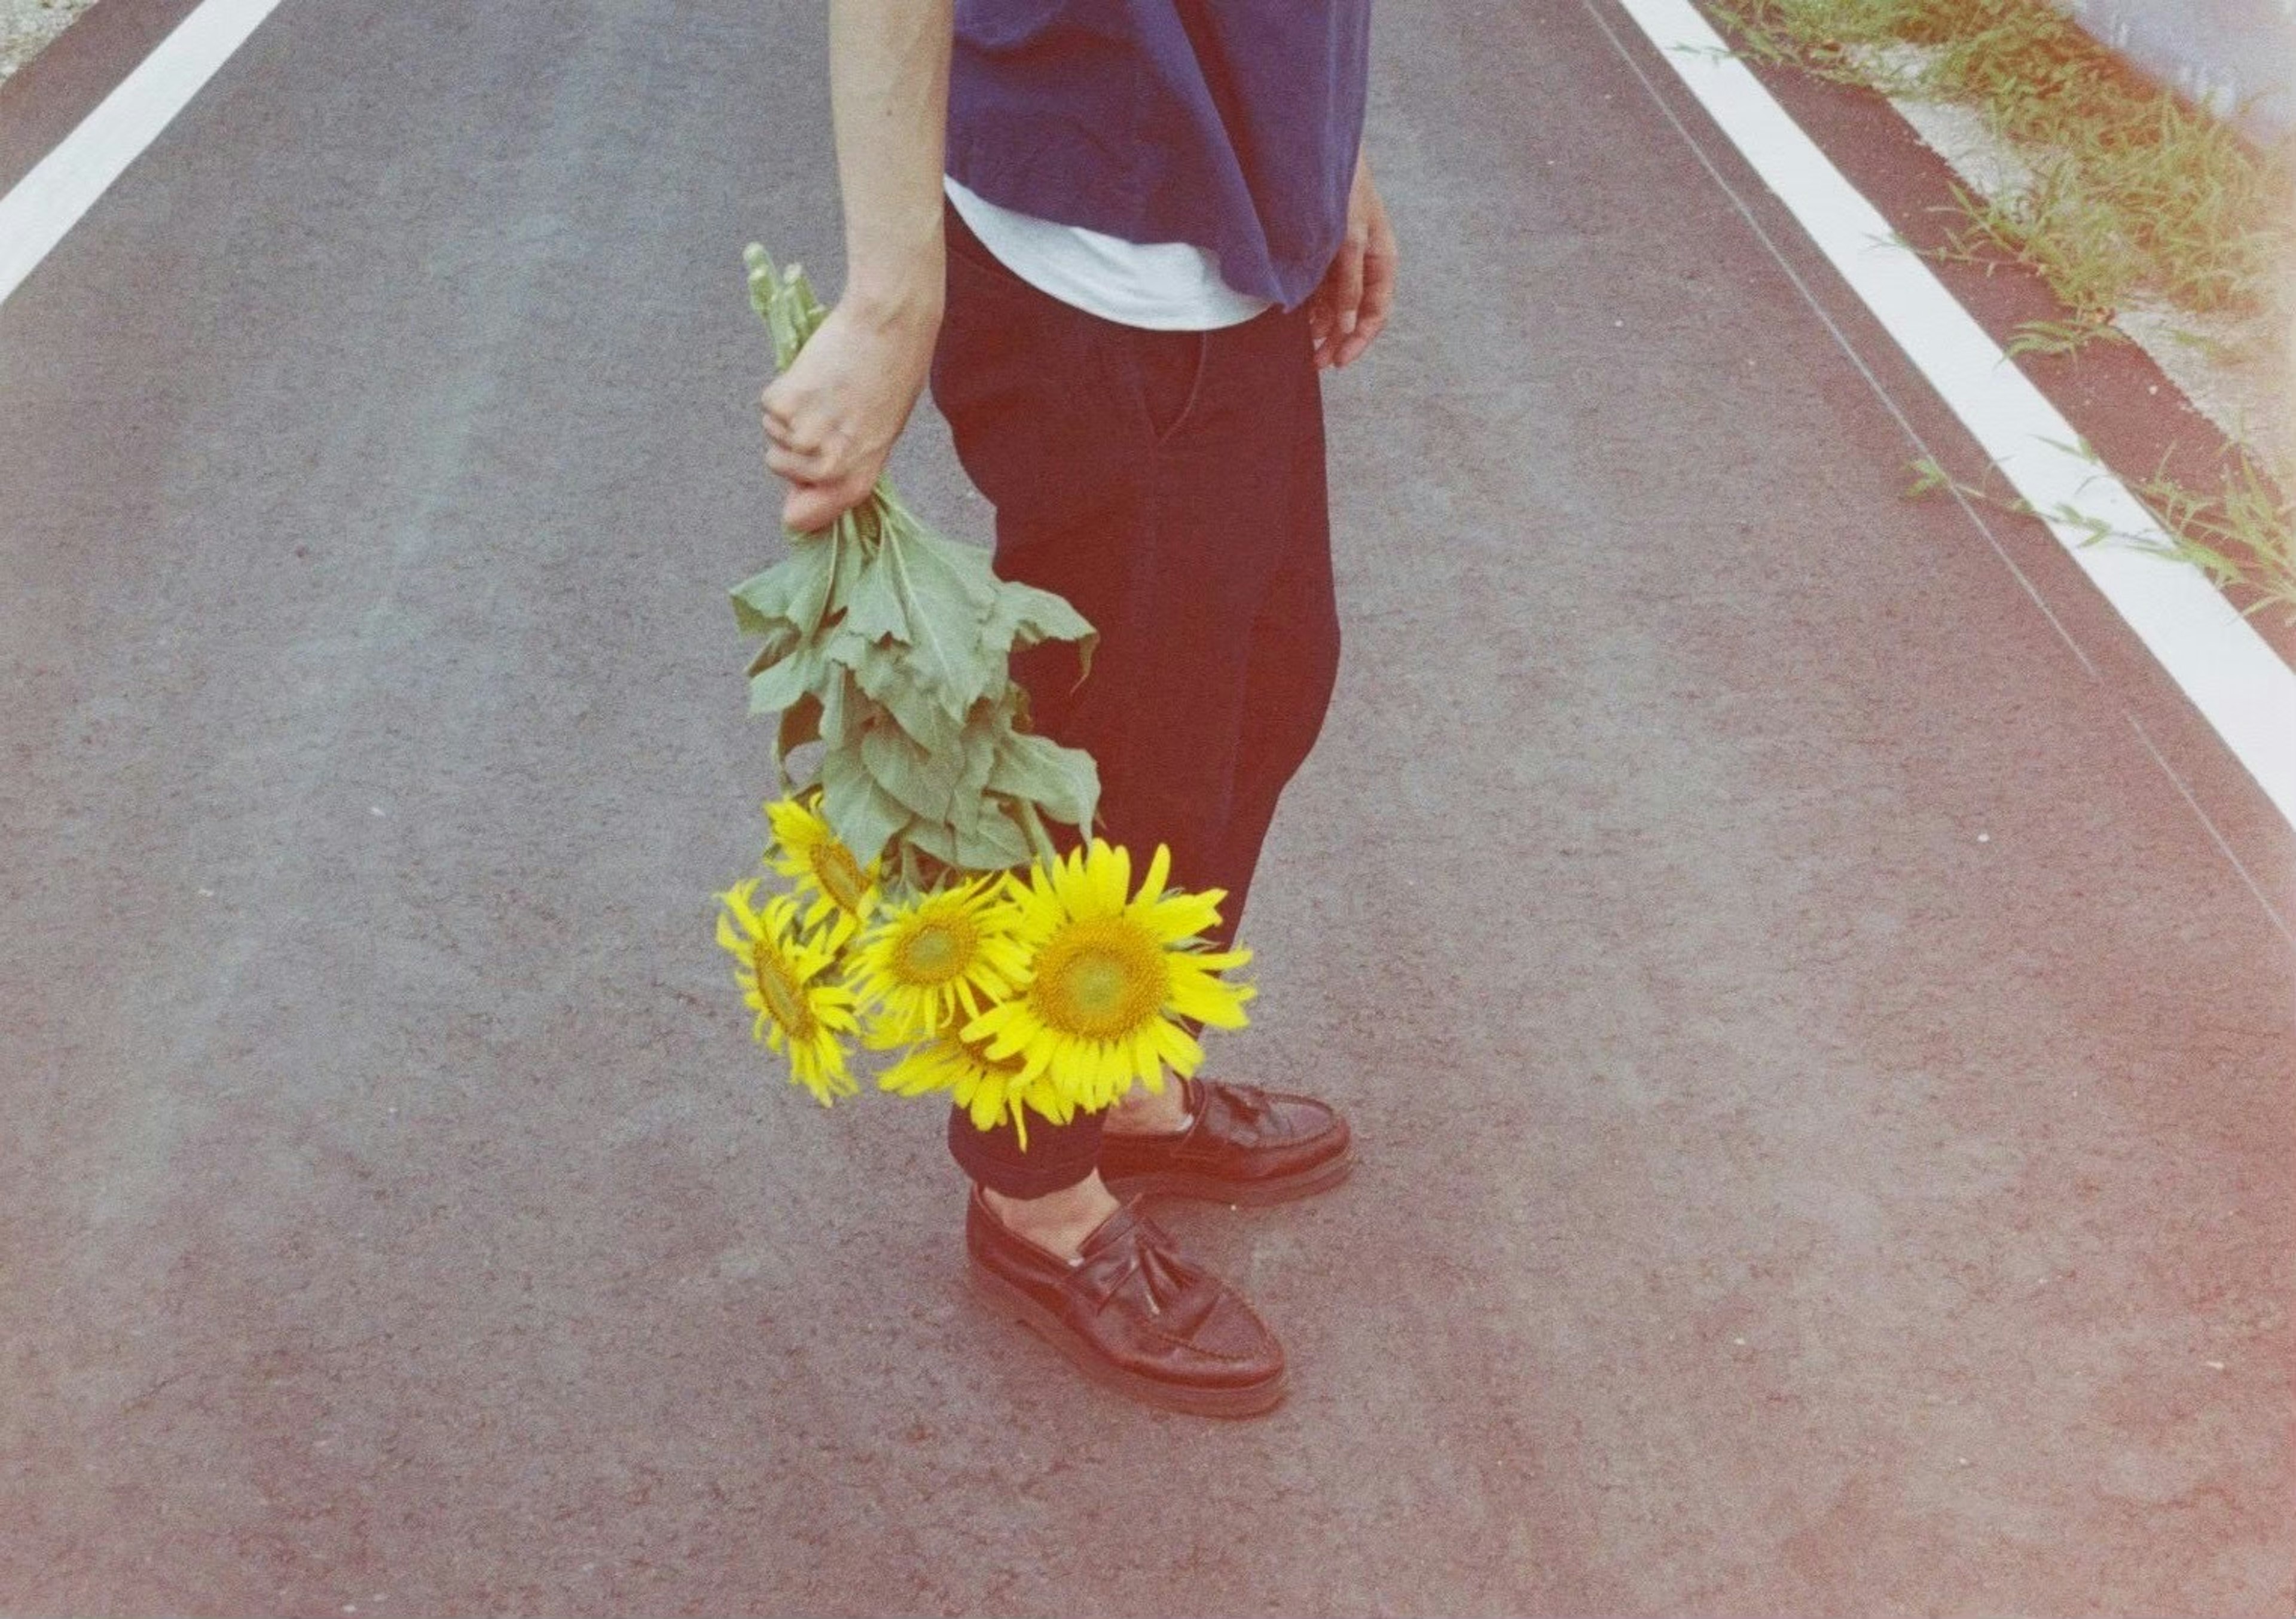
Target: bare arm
point(832, 417)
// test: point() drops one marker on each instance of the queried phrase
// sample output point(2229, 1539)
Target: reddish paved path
point(1824, 1097)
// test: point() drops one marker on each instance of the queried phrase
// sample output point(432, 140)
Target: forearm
point(832, 417)
point(888, 88)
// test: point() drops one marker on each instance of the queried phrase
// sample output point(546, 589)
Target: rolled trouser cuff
point(1057, 1157)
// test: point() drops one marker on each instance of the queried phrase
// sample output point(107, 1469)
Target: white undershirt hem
point(1164, 286)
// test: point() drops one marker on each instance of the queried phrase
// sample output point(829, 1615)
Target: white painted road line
point(47, 202)
point(2229, 671)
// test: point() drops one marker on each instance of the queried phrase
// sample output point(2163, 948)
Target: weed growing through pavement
point(2237, 534)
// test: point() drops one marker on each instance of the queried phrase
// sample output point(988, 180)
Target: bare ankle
point(1144, 1112)
point(1058, 1222)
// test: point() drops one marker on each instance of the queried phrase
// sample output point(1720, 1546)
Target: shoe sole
point(1009, 1300)
point(1257, 1194)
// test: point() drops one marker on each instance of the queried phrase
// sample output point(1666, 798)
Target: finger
point(1351, 346)
point(772, 405)
point(1378, 285)
point(798, 469)
point(1344, 289)
point(1378, 299)
point(1347, 290)
point(787, 421)
point(812, 507)
point(788, 434)
point(1319, 319)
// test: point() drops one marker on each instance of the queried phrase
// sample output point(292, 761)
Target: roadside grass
point(2134, 195)
point(2234, 534)
point(2133, 191)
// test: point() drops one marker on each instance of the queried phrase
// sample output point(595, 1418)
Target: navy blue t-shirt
point(1231, 124)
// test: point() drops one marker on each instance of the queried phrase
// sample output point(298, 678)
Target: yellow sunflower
point(805, 850)
point(991, 1089)
point(945, 954)
point(777, 975)
point(1110, 973)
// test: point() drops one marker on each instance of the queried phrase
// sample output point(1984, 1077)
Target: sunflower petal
point(1159, 869)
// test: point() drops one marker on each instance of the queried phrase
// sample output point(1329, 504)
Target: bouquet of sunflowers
point(930, 913)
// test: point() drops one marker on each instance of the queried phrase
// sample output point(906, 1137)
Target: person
point(1122, 239)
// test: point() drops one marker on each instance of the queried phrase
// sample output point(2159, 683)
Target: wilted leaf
point(985, 732)
point(780, 642)
point(889, 644)
point(1023, 616)
point(775, 689)
point(921, 781)
point(790, 593)
point(945, 610)
point(885, 674)
point(1063, 780)
point(862, 814)
point(873, 608)
point(936, 839)
point(801, 723)
point(843, 710)
point(852, 555)
point(994, 844)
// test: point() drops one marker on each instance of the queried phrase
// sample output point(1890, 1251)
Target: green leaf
point(997, 843)
point(2062, 337)
point(920, 782)
point(787, 681)
point(844, 711)
point(808, 606)
point(937, 838)
point(852, 555)
point(1040, 841)
point(862, 814)
point(885, 674)
point(2081, 449)
point(1063, 780)
point(946, 610)
point(1023, 616)
point(792, 591)
point(977, 756)
point(874, 606)
point(985, 732)
point(781, 640)
point(1928, 473)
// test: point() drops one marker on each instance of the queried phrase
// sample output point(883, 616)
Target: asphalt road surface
point(1823, 1090)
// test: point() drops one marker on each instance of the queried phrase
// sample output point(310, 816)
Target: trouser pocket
point(1169, 366)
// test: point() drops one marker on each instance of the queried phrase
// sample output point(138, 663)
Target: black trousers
point(1171, 485)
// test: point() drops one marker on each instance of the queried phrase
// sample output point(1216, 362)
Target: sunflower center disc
point(938, 951)
point(1100, 979)
point(839, 875)
point(779, 991)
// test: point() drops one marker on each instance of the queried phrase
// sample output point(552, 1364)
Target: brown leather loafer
point(1134, 1313)
point(1242, 1145)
